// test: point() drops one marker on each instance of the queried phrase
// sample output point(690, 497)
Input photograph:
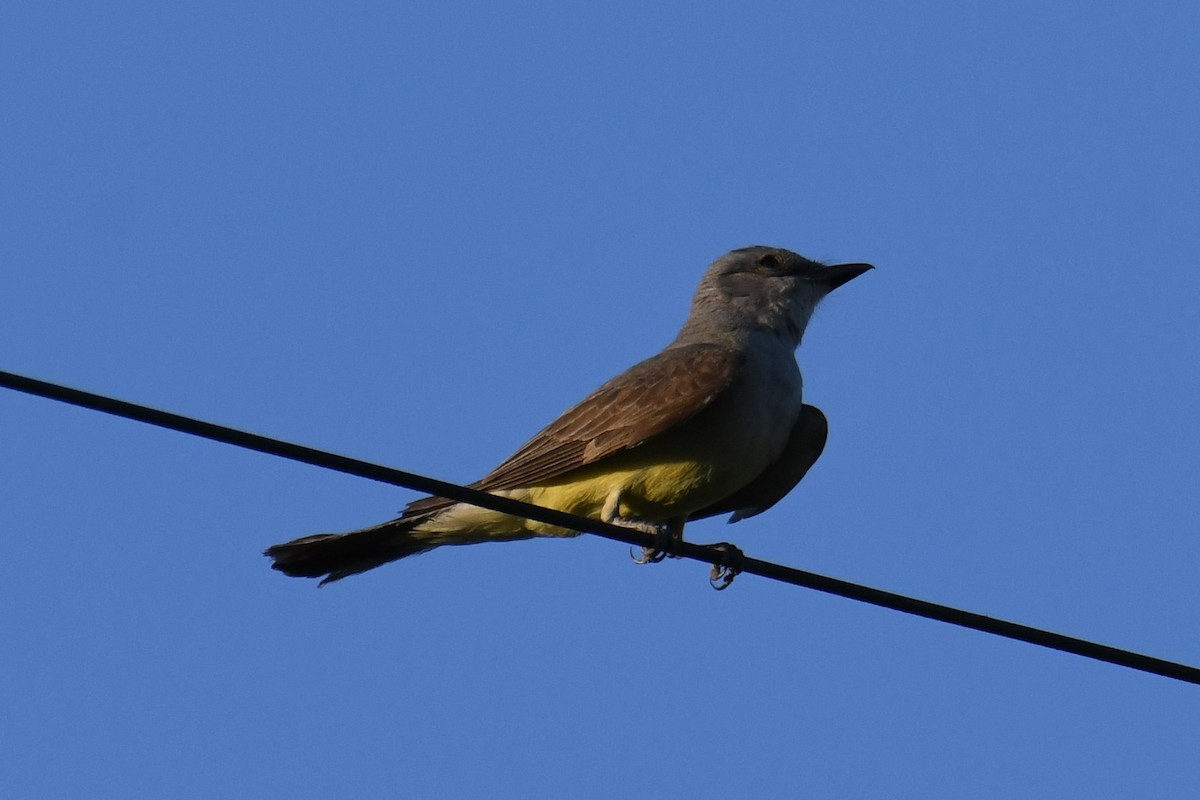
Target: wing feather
point(646, 400)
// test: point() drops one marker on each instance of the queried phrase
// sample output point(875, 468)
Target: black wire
point(707, 553)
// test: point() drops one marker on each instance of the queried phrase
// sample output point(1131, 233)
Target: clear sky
point(416, 232)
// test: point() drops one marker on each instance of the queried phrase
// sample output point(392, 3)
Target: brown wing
point(803, 448)
point(640, 403)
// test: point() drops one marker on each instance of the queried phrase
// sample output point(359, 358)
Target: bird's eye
point(769, 260)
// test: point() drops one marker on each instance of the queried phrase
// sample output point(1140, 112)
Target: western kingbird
point(713, 424)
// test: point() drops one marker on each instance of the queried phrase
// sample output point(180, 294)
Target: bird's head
point(764, 287)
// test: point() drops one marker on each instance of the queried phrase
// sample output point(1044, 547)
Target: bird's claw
point(665, 538)
point(649, 555)
point(725, 567)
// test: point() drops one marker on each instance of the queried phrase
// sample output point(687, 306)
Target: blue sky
point(414, 233)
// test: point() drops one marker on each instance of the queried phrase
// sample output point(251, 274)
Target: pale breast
point(761, 409)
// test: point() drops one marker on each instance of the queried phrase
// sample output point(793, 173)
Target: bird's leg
point(725, 566)
point(664, 535)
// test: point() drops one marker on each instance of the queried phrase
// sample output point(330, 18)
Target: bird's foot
point(666, 537)
point(725, 565)
point(649, 555)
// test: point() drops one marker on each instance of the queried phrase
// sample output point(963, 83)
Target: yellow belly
point(654, 483)
point(654, 493)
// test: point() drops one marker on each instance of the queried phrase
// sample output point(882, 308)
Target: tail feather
point(333, 556)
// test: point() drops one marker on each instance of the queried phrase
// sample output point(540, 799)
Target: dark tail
point(333, 556)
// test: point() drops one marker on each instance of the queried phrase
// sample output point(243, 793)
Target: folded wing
point(802, 450)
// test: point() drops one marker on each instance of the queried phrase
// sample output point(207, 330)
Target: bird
point(713, 424)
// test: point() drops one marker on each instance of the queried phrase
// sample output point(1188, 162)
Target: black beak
point(835, 275)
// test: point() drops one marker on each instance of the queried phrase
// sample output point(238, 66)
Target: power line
point(710, 554)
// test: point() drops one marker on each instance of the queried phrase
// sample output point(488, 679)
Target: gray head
point(762, 288)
